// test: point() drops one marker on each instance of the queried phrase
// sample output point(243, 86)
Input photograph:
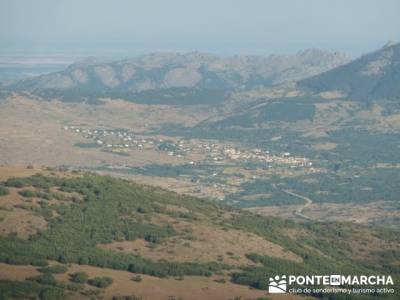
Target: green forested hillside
point(88, 210)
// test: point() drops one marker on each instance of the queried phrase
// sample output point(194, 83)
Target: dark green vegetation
point(46, 195)
point(100, 282)
point(279, 110)
point(198, 173)
point(373, 76)
point(204, 131)
point(259, 187)
point(177, 96)
point(287, 112)
point(364, 148)
point(376, 185)
point(46, 278)
point(328, 187)
point(130, 297)
point(171, 96)
point(79, 277)
point(4, 191)
point(113, 209)
point(29, 290)
point(56, 269)
point(43, 287)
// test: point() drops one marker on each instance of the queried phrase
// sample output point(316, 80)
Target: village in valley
point(210, 168)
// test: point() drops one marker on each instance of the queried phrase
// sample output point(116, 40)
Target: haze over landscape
point(195, 150)
point(259, 27)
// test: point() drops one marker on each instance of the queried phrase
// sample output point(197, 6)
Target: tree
point(79, 277)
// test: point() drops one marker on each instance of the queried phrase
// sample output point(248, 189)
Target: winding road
point(299, 212)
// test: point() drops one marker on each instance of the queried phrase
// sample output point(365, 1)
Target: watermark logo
point(277, 285)
point(347, 284)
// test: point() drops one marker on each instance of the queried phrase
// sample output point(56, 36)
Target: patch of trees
point(366, 148)
point(72, 237)
point(168, 96)
point(287, 111)
point(258, 187)
point(46, 278)
point(4, 191)
point(29, 290)
point(46, 195)
point(379, 184)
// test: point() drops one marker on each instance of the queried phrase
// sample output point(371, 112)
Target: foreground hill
point(192, 78)
point(83, 235)
point(373, 76)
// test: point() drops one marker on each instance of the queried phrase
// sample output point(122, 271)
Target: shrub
point(143, 210)
point(220, 280)
point(74, 287)
point(131, 297)
point(92, 293)
point(15, 182)
point(137, 278)
point(4, 191)
point(44, 279)
point(152, 238)
point(57, 269)
point(28, 193)
point(100, 282)
point(52, 294)
point(79, 277)
point(39, 262)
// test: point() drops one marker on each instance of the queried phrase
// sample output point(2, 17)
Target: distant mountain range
point(371, 79)
point(191, 78)
point(373, 76)
point(199, 78)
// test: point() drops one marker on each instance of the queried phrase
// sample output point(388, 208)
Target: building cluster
point(215, 152)
point(203, 154)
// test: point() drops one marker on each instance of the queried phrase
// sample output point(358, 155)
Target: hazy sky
point(222, 26)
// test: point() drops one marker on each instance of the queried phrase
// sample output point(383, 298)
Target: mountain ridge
point(174, 75)
point(375, 75)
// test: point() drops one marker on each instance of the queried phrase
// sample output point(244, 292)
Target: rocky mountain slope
point(373, 76)
point(177, 78)
point(329, 100)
